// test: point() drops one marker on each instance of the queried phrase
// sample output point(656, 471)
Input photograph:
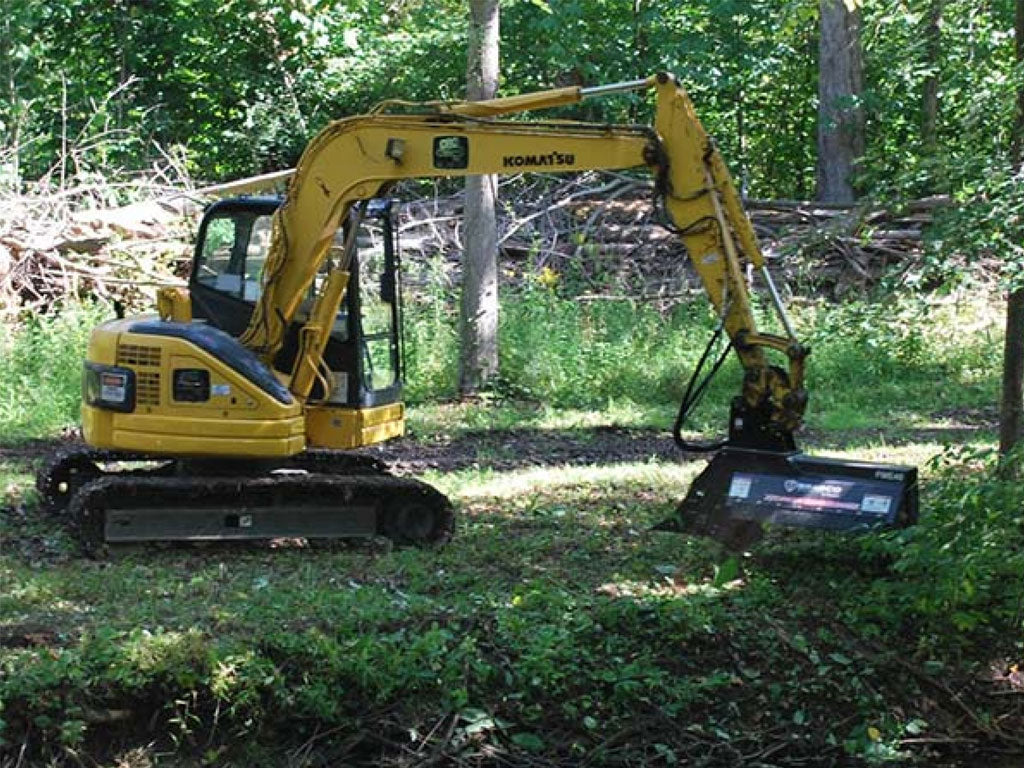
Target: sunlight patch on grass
point(434, 419)
point(35, 595)
point(477, 484)
point(984, 422)
point(845, 416)
point(668, 588)
point(15, 481)
point(915, 454)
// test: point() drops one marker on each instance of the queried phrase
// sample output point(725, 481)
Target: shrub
point(41, 369)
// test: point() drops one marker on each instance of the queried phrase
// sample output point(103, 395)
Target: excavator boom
point(358, 158)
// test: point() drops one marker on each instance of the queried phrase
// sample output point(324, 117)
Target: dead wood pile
point(599, 236)
point(54, 247)
point(594, 236)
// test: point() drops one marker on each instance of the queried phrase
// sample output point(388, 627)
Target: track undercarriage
point(115, 498)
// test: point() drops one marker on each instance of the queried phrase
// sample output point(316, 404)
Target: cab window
point(233, 254)
point(377, 318)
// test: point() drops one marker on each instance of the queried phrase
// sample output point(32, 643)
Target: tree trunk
point(930, 88)
point(840, 86)
point(1013, 349)
point(640, 55)
point(1013, 373)
point(478, 327)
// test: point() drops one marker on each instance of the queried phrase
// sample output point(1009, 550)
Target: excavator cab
point(363, 351)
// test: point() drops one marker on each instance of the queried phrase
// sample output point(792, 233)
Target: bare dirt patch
point(510, 449)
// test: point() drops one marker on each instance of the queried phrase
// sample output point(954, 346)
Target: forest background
point(238, 87)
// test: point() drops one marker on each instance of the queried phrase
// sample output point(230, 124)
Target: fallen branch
point(597, 227)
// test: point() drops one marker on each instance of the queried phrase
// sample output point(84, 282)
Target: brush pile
point(593, 236)
point(69, 244)
point(597, 236)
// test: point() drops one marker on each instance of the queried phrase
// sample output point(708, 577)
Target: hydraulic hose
point(694, 392)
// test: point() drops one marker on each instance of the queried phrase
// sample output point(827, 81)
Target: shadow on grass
point(554, 610)
point(505, 449)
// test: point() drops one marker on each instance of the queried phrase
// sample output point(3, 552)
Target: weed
point(960, 569)
point(568, 363)
point(40, 367)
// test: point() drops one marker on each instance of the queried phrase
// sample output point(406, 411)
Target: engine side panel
point(187, 401)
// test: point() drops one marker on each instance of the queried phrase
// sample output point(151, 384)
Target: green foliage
point(41, 367)
point(577, 354)
point(983, 230)
point(977, 79)
point(897, 352)
point(979, 235)
point(240, 87)
point(566, 353)
point(959, 570)
point(243, 85)
point(870, 362)
point(430, 333)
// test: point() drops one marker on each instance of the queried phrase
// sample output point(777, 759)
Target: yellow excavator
point(230, 414)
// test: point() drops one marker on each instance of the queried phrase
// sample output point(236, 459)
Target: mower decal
point(863, 498)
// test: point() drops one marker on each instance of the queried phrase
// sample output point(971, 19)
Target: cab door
point(377, 278)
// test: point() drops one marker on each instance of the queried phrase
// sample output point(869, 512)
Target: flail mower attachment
point(757, 479)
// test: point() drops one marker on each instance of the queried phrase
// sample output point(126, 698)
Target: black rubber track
point(76, 483)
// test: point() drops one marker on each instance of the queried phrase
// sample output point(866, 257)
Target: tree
point(1013, 349)
point(930, 88)
point(840, 87)
point(478, 328)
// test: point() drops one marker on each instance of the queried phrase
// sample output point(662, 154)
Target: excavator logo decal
point(833, 490)
point(552, 158)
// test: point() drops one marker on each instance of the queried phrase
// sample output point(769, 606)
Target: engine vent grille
point(147, 388)
point(136, 354)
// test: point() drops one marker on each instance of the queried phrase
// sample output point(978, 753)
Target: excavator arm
point(359, 158)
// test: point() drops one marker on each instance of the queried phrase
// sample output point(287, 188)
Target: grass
point(14, 476)
point(429, 420)
point(568, 364)
point(554, 620)
point(40, 367)
point(556, 628)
